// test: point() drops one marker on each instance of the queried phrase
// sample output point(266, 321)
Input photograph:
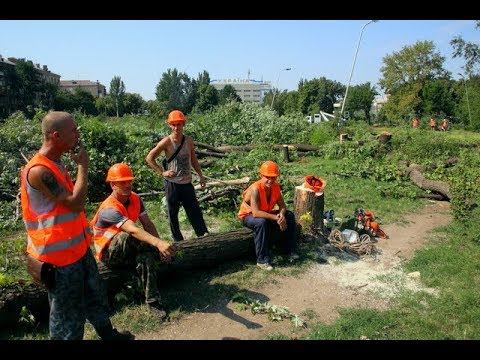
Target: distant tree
point(469, 51)
point(439, 98)
point(290, 104)
point(405, 73)
point(207, 98)
point(117, 92)
point(316, 95)
point(177, 90)
point(133, 103)
point(84, 101)
point(227, 94)
point(29, 85)
point(361, 98)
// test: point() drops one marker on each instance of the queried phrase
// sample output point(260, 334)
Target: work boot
point(110, 333)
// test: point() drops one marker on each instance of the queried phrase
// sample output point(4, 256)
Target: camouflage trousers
point(79, 294)
point(126, 252)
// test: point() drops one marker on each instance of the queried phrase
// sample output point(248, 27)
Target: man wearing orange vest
point(415, 123)
point(120, 244)
point(177, 172)
point(59, 234)
point(432, 124)
point(264, 211)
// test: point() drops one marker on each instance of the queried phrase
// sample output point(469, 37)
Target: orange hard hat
point(120, 172)
point(175, 117)
point(269, 168)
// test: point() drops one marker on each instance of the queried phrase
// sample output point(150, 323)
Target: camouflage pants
point(126, 252)
point(79, 294)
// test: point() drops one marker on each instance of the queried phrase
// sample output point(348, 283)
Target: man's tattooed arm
point(52, 184)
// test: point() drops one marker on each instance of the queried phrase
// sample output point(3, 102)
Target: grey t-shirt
point(109, 216)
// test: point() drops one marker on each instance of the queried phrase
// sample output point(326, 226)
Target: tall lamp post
point(278, 78)
point(353, 66)
point(468, 102)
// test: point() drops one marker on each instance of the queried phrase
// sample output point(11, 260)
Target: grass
point(449, 263)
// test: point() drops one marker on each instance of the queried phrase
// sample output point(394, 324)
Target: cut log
point(309, 209)
point(204, 252)
point(286, 155)
point(242, 181)
point(210, 153)
point(298, 147)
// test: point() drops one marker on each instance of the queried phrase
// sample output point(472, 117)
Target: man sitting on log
point(120, 243)
point(264, 211)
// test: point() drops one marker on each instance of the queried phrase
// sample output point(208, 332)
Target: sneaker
point(265, 266)
point(157, 309)
point(293, 256)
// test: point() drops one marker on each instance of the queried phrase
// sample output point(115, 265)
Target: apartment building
point(94, 88)
point(248, 90)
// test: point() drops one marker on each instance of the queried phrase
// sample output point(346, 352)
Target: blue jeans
point(267, 230)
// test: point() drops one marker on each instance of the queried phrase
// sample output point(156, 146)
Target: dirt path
point(321, 290)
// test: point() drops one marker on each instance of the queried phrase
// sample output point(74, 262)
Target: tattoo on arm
point(52, 184)
point(254, 197)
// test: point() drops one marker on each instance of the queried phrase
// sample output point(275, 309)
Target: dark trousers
point(266, 230)
point(183, 194)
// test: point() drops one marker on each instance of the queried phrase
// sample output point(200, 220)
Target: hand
point(166, 250)
point(169, 173)
point(203, 181)
point(282, 221)
point(81, 156)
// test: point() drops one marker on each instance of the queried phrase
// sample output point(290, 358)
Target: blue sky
point(140, 51)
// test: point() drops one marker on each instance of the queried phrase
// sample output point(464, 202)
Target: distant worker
point(444, 125)
point(264, 211)
point(415, 123)
point(179, 159)
point(432, 124)
point(120, 243)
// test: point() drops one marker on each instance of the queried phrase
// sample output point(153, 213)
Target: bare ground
point(322, 290)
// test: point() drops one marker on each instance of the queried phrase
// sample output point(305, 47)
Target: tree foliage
point(117, 92)
point(177, 90)
point(469, 51)
point(360, 99)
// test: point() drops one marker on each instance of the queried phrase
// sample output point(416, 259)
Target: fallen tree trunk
point(208, 147)
point(209, 153)
point(204, 252)
point(415, 174)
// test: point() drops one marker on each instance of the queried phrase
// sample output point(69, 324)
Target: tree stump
point(286, 155)
point(309, 208)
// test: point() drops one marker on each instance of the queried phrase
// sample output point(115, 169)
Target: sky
point(140, 51)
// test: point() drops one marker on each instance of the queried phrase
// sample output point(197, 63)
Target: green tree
point(117, 92)
point(360, 99)
point(405, 73)
point(177, 90)
point(133, 103)
point(470, 52)
point(439, 98)
point(227, 94)
point(318, 95)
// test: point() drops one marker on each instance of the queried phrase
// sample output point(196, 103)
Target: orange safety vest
point(103, 236)
point(60, 236)
point(275, 193)
point(415, 123)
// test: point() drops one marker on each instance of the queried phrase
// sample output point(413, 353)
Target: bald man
point(59, 235)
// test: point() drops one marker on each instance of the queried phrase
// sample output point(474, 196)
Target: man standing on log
point(59, 235)
point(180, 157)
point(119, 243)
point(264, 211)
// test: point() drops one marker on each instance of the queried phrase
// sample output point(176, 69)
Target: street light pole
point(353, 66)
point(468, 102)
point(278, 78)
